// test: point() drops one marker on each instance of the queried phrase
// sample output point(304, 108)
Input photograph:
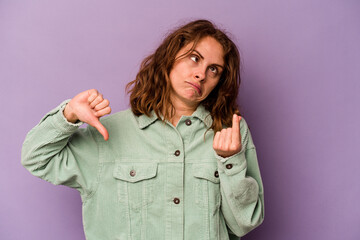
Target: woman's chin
point(192, 94)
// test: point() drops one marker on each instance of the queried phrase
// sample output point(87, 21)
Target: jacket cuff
point(233, 164)
point(60, 122)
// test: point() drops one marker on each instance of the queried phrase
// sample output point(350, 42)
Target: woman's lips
point(196, 86)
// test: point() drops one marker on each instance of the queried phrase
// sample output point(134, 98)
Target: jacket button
point(216, 174)
point(176, 200)
point(229, 166)
point(132, 173)
point(177, 153)
point(188, 122)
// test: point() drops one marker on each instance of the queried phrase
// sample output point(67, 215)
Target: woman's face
point(194, 76)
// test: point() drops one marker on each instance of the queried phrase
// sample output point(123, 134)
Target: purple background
point(300, 96)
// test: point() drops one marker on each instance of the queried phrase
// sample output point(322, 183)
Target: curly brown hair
point(151, 89)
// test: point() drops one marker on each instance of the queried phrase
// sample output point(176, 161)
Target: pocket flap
point(135, 172)
point(206, 171)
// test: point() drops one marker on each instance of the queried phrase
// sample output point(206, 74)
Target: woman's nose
point(199, 75)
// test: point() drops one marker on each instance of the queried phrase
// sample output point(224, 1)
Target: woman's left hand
point(227, 142)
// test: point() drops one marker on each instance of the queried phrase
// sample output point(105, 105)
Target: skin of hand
point(88, 107)
point(227, 142)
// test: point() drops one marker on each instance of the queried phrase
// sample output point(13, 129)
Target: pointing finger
point(236, 129)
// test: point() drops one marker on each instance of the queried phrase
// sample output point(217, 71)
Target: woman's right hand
point(88, 107)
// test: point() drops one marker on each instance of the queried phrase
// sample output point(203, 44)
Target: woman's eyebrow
point(201, 56)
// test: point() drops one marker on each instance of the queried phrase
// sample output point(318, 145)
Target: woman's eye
point(213, 69)
point(194, 58)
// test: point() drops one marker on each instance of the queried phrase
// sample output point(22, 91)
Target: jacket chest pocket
point(135, 183)
point(207, 186)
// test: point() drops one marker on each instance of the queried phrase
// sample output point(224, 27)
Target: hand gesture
point(227, 142)
point(88, 107)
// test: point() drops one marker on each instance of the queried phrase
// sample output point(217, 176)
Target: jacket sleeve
point(62, 153)
point(241, 187)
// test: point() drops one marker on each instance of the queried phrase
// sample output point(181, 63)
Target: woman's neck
point(181, 110)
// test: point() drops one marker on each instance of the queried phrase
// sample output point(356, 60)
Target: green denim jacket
point(150, 180)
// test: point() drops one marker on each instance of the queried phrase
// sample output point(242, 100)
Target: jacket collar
point(145, 121)
point(200, 113)
point(203, 115)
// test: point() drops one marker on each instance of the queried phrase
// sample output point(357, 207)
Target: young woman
point(180, 164)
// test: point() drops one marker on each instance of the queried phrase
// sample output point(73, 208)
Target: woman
point(157, 170)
